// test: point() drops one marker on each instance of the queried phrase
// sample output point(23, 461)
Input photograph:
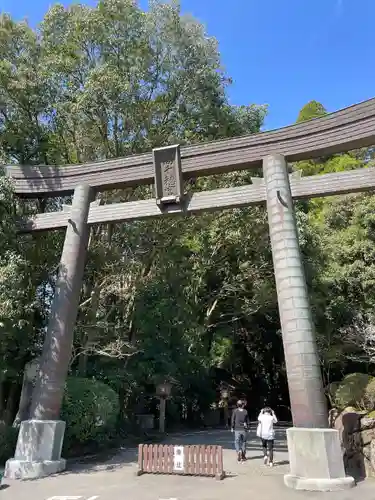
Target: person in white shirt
point(266, 432)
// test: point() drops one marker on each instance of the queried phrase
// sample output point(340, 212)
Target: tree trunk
point(11, 404)
point(82, 362)
point(1, 400)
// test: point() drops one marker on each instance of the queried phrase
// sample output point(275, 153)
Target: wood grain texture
point(198, 460)
point(237, 197)
point(350, 128)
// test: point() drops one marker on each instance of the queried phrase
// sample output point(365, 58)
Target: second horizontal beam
point(353, 181)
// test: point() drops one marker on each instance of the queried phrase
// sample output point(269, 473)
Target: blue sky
point(283, 53)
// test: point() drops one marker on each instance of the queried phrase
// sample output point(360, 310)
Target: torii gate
point(315, 456)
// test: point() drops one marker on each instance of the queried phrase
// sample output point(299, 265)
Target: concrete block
point(316, 461)
point(38, 450)
point(24, 469)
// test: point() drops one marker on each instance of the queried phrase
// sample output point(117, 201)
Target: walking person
point(266, 432)
point(239, 425)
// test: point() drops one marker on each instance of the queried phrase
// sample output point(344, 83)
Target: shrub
point(351, 390)
point(90, 409)
point(331, 390)
point(369, 396)
point(8, 441)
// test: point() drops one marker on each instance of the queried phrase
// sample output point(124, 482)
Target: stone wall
point(368, 444)
point(357, 436)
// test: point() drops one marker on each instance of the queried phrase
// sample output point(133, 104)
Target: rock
point(369, 459)
point(367, 435)
point(367, 422)
point(348, 423)
point(357, 436)
point(367, 430)
point(332, 416)
point(31, 372)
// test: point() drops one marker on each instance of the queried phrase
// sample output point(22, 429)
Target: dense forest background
point(191, 300)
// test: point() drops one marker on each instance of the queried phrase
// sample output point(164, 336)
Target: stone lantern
point(225, 395)
point(163, 391)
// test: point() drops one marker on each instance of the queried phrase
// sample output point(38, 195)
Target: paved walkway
point(115, 478)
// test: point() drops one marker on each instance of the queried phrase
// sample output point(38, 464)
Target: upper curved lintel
point(349, 128)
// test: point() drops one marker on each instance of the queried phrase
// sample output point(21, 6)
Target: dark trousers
point(267, 445)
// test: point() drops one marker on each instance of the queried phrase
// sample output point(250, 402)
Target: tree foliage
point(312, 109)
point(90, 409)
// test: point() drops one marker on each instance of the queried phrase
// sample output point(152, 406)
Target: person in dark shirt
point(239, 425)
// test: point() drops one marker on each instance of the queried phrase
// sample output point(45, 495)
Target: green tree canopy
point(312, 109)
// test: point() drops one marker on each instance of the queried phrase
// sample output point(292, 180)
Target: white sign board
point(178, 458)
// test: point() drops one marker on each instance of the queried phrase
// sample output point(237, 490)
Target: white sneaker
point(265, 460)
point(271, 464)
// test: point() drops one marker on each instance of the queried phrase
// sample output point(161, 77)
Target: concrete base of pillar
point(38, 451)
point(316, 461)
point(23, 469)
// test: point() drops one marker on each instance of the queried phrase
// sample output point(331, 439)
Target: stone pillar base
point(38, 451)
point(316, 461)
point(23, 469)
